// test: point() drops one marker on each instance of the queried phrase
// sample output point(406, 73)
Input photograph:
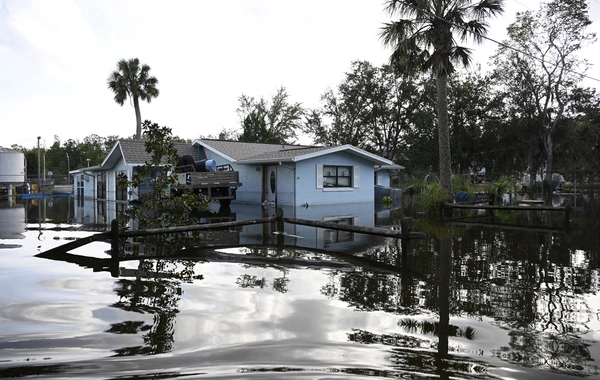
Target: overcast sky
point(56, 55)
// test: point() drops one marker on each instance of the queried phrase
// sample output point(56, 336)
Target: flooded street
point(502, 294)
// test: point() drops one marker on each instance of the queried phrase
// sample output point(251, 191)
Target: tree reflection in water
point(536, 286)
point(155, 290)
point(538, 295)
point(412, 354)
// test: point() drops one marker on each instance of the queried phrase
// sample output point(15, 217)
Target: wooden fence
point(114, 235)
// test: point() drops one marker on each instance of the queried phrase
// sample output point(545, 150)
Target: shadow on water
point(469, 302)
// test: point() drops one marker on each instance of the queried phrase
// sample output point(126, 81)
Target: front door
point(270, 184)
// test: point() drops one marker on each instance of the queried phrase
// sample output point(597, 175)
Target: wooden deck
point(528, 205)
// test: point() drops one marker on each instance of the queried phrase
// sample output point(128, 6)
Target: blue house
point(293, 175)
point(274, 174)
point(101, 182)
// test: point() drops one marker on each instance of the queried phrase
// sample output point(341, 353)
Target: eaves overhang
point(356, 151)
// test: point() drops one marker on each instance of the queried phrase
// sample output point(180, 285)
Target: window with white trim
point(337, 176)
point(333, 176)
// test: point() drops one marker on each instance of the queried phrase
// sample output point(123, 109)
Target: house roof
point(134, 152)
point(260, 153)
point(86, 169)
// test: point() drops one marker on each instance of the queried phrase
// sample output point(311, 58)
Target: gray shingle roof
point(134, 152)
point(241, 151)
point(252, 153)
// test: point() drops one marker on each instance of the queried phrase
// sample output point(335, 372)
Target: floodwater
point(508, 295)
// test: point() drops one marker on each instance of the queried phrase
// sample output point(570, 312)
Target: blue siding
point(297, 182)
point(111, 179)
point(306, 177)
point(382, 177)
point(286, 184)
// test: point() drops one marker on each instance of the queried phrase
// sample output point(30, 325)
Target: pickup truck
point(218, 183)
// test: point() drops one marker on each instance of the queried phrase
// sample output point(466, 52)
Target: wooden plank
point(77, 243)
point(489, 207)
point(197, 227)
point(540, 229)
point(360, 229)
point(531, 202)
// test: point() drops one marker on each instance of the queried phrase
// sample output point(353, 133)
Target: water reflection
point(468, 301)
point(12, 220)
point(155, 290)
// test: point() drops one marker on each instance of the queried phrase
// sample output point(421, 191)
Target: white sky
point(56, 55)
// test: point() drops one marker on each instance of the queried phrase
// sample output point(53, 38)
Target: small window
point(337, 176)
point(273, 182)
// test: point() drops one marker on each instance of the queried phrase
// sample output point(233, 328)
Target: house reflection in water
point(357, 214)
point(12, 220)
point(93, 212)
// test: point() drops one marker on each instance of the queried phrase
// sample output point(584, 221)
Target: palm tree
point(425, 40)
point(132, 80)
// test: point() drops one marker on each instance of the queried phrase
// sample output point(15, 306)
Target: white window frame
point(354, 177)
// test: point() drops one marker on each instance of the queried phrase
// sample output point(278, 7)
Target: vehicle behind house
point(218, 183)
point(525, 181)
point(477, 176)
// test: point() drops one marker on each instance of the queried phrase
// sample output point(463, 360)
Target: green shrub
point(461, 183)
point(386, 201)
point(432, 198)
point(497, 188)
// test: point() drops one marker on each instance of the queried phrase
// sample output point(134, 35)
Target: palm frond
point(429, 27)
point(462, 54)
point(132, 80)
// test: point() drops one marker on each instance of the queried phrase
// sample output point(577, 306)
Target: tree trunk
point(549, 158)
point(444, 134)
point(138, 118)
point(445, 271)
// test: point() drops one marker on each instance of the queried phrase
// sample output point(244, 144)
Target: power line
point(541, 60)
point(518, 2)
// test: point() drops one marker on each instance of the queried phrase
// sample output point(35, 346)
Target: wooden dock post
point(114, 239)
point(406, 226)
point(279, 226)
point(567, 215)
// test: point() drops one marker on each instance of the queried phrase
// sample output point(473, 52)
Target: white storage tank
point(12, 166)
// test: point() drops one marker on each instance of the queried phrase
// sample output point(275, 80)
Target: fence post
point(279, 226)
point(406, 225)
point(114, 239)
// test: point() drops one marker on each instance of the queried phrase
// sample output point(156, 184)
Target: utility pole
point(38, 178)
point(68, 169)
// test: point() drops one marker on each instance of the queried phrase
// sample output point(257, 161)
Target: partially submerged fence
point(114, 235)
point(528, 207)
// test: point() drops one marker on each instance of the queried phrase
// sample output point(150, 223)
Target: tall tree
point(473, 109)
point(348, 115)
point(277, 122)
point(577, 138)
point(165, 204)
point(425, 40)
point(371, 109)
point(132, 80)
point(538, 65)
